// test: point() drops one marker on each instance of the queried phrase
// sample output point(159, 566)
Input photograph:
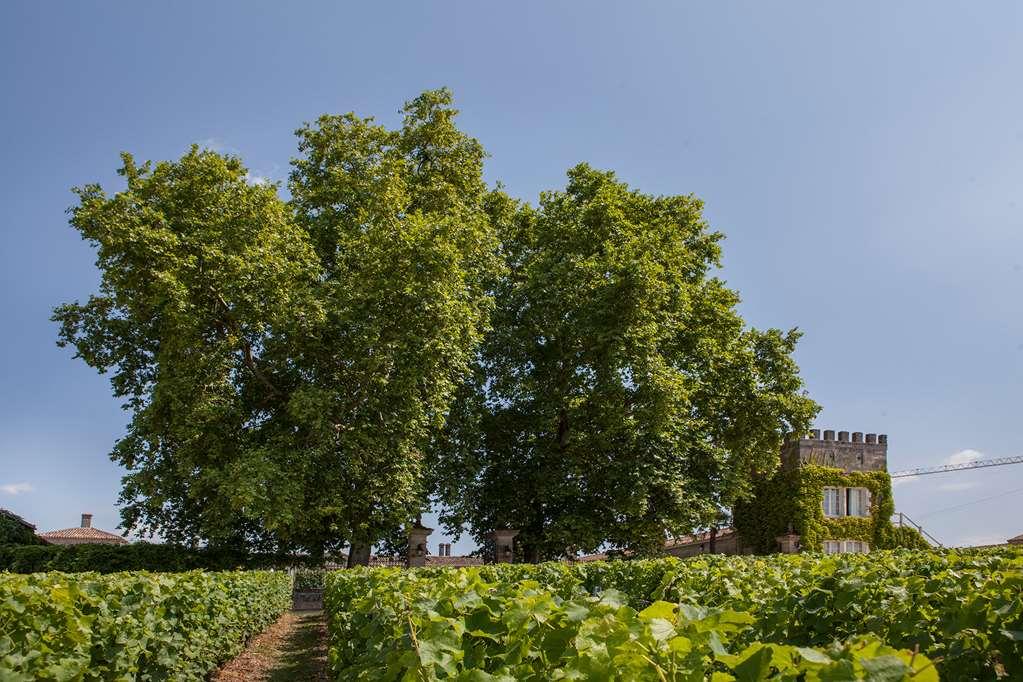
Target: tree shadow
point(303, 655)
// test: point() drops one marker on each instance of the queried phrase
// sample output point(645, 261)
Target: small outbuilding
point(83, 535)
point(15, 530)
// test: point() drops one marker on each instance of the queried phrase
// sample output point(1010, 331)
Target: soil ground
point(293, 648)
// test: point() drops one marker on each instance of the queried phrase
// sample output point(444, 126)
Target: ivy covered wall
point(791, 499)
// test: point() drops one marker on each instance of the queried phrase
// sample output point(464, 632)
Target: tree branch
point(247, 356)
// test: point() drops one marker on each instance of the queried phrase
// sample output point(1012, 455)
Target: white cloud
point(256, 179)
point(213, 144)
point(964, 456)
point(902, 480)
point(17, 488)
point(955, 487)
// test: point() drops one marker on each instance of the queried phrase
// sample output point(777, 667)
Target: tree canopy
point(306, 373)
point(285, 363)
point(619, 396)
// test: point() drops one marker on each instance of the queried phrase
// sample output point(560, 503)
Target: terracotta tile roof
point(82, 536)
point(387, 561)
point(680, 541)
point(697, 538)
point(400, 562)
point(592, 557)
point(456, 561)
point(1018, 540)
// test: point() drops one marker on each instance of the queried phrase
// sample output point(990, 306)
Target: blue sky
point(865, 162)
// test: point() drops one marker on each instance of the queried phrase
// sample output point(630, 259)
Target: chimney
point(86, 520)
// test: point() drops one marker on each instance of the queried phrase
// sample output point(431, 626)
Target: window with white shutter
point(845, 546)
point(857, 502)
point(831, 502)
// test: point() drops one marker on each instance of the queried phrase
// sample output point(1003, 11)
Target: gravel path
point(293, 648)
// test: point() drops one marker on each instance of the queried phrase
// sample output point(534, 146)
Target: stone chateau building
point(831, 494)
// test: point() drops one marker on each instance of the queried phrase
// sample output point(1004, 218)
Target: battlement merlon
point(858, 453)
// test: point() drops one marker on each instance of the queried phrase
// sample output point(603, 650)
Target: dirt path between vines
point(293, 648)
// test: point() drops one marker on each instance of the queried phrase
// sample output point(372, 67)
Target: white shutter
point(831, 501)
point(864, 502)
point(853, 497)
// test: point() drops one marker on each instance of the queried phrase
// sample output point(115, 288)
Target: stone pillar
point(417, 534)
point(504, 545)
point(788, 543)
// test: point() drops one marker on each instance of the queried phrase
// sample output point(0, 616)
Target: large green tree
point(398, 221)
point(200, 271)
point(287, 363)
point(620, 397)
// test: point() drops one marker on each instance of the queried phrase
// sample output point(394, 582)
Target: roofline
point(11, 515)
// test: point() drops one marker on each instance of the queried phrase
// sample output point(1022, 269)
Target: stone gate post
point(417, 534)
point(504, 545)
point(788, 543)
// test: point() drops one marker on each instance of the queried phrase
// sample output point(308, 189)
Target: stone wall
point(849, 452)
point(727, 542)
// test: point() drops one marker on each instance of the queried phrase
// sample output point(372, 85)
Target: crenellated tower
point(848, 452)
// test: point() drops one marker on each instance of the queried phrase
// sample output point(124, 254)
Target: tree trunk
point(713, 539)
point(358, 554)
point(316, 555)
point(531, 554)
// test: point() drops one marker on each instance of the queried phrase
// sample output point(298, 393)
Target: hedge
point(136, 557)
point(129, 626)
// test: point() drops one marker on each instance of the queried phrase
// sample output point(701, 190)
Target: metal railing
point(899, 519)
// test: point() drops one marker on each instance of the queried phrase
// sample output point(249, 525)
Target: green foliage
point(406, 250)
point(137, 557)
point(129, 626)
point(199, 270)
point(906, 537)
point(286, 364)
point(620, 395)
point(13, 532)
point(465, 625)
point(963, 609)
point(792, 498)
point(309, 579)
